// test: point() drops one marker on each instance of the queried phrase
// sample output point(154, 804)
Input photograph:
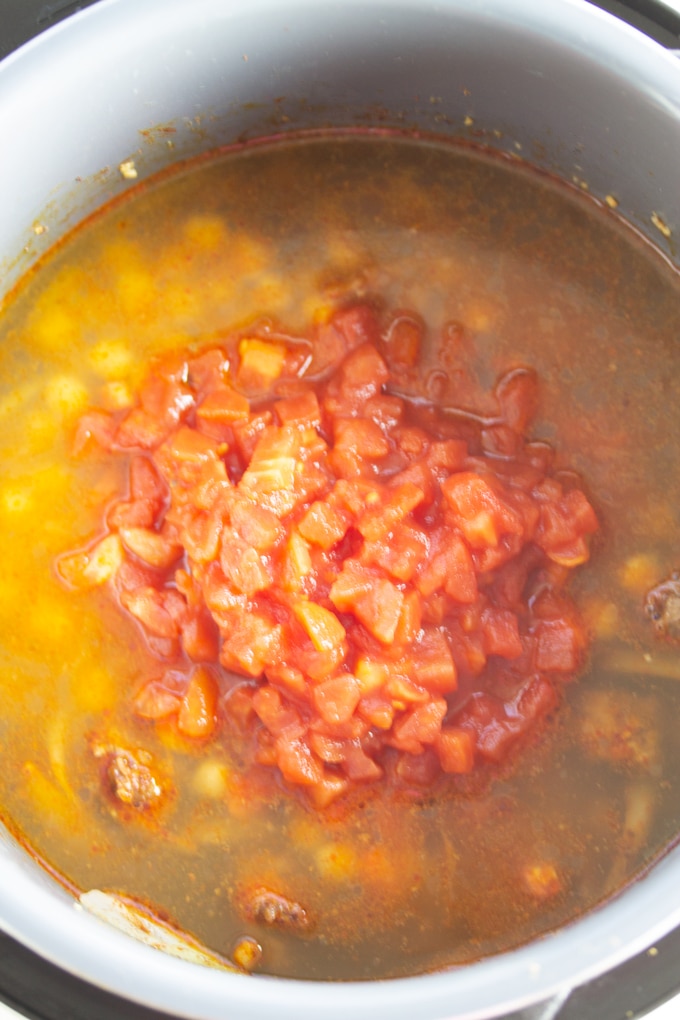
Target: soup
point(499, 324)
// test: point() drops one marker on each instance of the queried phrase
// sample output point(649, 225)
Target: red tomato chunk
point(355, 583)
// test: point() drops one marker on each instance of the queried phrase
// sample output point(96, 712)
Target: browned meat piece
point(662, 605)
point(128, 777)
point(271, 908)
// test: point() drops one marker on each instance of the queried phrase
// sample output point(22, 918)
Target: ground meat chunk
point(128, 778)
point(662, 605)
point(271, 908)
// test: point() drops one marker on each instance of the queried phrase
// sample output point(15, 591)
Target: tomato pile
point(363, 584)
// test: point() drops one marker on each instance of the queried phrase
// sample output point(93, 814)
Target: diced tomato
point(153, 609)
point(197, 716)
point(433, 661)
point(359, 442)
point(302, 411)
point(401, 685)
point(389, 508)
point(378, 709)
point(385, 410)
point(358, 765)
point(158, 699)
point(245, 569)
point(479, 510)
point(156, 548)
point(410, 619)
point(374, 600)
point(468, 650)
point(206, 372)
point(238, 705)
point(495, 727)
point(165, 401)
point(501, 633)
point(297, 762)
point(187, 444)
point(419, 770)
point(201, 535)
point(449, 567)
point(261, 363)
point(275, 713)
point(328, 789)
point(270, 478)
point(94, 427)
point(336, 699)
point(250, 641)
point(324, 524)
point(90, 568)
point(558, 646)
point(247, 433)
point(420, 725)
point(360, 377)
point(354, 554)
point(147, 499)
point(400, 553)
point(456, 750)
point(322, 626)
point(256, 525)
point(224, 406)
point(357, 324)
point(444, 457)
point(200, 636)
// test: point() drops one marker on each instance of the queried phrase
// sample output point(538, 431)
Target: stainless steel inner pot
point(559, 83)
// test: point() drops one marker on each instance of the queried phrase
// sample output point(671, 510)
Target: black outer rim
point(38, 990)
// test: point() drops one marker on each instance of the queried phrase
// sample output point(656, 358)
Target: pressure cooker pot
point(124, 90)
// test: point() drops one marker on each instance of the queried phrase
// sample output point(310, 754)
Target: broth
point(395, 880)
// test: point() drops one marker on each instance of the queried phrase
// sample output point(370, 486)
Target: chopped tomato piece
point(558, 646)
point(324, 524)
point(223, 405)
point(261, 363)
point(374, 600)
point(322, 626)
point(92, 567)
point(158, 699)
point(501, 633)
point(189, 445)
point(298, 763)
point(455, 749)
point(448, 567)
point(302, 411)
point(257, 526)
point(420, 725)
point(433, 660)
point(357, 556)
point(479, 511)
point(153, 609)
point(336, 699)
point(197, 716)
point(389, 509)
point(155, 548)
